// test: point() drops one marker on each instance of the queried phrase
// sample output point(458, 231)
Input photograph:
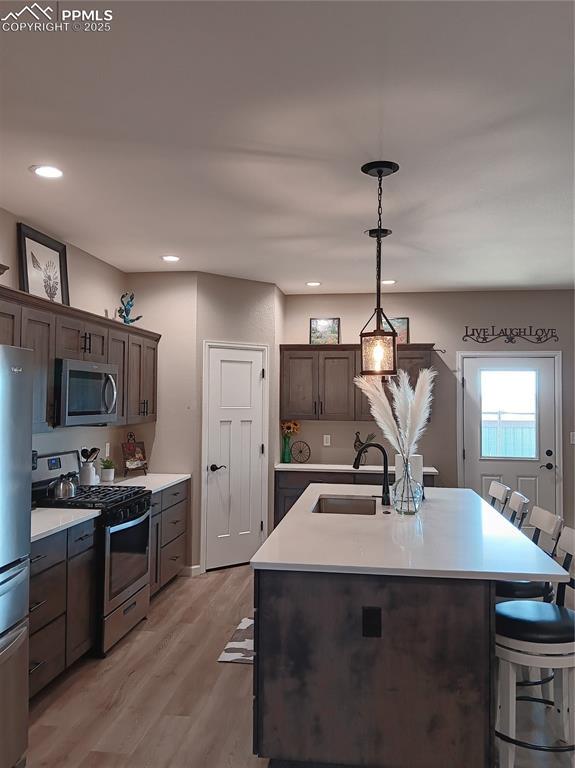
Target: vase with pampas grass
point(403, 422)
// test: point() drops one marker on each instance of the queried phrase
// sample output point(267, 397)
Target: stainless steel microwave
point(86, 393)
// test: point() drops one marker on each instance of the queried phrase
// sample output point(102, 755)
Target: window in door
point(508, 414)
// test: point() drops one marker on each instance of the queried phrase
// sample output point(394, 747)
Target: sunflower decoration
point(289, 428)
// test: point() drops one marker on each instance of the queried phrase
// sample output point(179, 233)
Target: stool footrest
point(527, 683)
point(537, 747)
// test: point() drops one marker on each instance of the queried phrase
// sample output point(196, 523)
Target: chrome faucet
point(385, 488)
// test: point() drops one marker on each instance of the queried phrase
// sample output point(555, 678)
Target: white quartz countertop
point(49, 520)
point(342, 468)
point(152, 481)
point(455, 535)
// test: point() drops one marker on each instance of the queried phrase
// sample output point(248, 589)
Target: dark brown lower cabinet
point(47, 654)
point(170, 510)
point(81, 605)
point(155, 545)
point(379, 671)
point(62, 602)
point(172, 559)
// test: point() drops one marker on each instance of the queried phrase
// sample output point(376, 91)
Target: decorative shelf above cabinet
point(317, 380)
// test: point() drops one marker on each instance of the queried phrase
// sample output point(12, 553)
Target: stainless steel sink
point(345, 505)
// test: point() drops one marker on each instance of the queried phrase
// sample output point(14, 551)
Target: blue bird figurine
point(127, 300)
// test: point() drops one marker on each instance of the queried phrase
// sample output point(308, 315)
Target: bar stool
point(517, 507)
point(542, 521)
point(541, 635)
point(498, 495)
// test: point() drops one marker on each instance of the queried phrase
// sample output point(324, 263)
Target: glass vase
point(286, 449)
point(406, 493)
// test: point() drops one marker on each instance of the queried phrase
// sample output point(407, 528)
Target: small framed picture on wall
point(401, 327)
point(43, 265)
point(324, 330)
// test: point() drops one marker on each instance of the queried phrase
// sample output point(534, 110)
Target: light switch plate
point(572, 438)
point(326, 441)
point(107, 450)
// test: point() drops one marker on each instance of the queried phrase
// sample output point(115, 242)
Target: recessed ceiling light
point(388, 282)
point(46, 171)
point(170, 258)
point(313, 284)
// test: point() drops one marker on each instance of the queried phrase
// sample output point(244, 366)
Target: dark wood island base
point(368, 670)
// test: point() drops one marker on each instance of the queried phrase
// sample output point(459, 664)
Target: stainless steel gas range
point(122, 541)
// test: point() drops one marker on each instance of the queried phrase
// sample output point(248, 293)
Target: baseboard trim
point(191, 570)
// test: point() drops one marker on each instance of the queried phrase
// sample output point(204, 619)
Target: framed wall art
point(43, 265)
point(401, 326)
point(324, 330)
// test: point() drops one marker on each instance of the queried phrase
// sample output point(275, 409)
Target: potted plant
point(107, 467)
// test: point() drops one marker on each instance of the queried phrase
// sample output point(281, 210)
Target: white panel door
point(236, 465)
point(509, 426)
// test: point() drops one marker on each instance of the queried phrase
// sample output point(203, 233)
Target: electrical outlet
point(107, 450)
point(572, 438)
point(326, 441)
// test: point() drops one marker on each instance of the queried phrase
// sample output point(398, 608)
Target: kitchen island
point(374, 633)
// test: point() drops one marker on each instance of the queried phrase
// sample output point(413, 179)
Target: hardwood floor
point(161, 700)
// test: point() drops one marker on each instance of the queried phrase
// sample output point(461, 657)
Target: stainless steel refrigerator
point(15, 479)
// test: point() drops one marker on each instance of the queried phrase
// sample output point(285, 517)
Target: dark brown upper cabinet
point(77, 339)
point(317, 383)
point(39, 335)
point(150, 378)
point(362, 410)
point(336, 389)
point(299, 384)
point(118, 355)
point(10, 323)
point(55, 331)
point(142, 379)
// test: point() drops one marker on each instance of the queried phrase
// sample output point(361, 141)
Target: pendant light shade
point(379, 346)
point(378, 351)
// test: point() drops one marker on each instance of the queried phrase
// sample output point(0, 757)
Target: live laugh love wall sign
point(510, 335)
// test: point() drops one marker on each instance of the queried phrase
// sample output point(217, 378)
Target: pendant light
point(379, 347)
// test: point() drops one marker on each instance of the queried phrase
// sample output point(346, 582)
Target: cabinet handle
point(176, 493)
point(314, 408)
point(37, 558)
point(130, 607)
point(174, 558)
point(35, 606)
point(83, 538)
point(174, 522)
point(147, 408)
point(36, 665)
point(321, 407)
point(84, 342)
point(89, 343)
point(142, 408)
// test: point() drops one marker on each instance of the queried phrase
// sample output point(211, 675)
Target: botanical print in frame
point(401, 326)
point(43, 265)
point(324, 330)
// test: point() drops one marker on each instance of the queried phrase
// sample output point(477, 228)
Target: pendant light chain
point(378, 249)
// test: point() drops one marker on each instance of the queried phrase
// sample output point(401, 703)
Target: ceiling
point(232, 134)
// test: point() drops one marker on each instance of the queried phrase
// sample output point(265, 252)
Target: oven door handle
point(110, 379)
point(129, 524)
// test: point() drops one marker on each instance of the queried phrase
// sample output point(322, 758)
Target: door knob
point(549, 465)
point(214, 467)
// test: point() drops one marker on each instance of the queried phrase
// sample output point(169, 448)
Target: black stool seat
point(534, 622)
point(524, 590)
